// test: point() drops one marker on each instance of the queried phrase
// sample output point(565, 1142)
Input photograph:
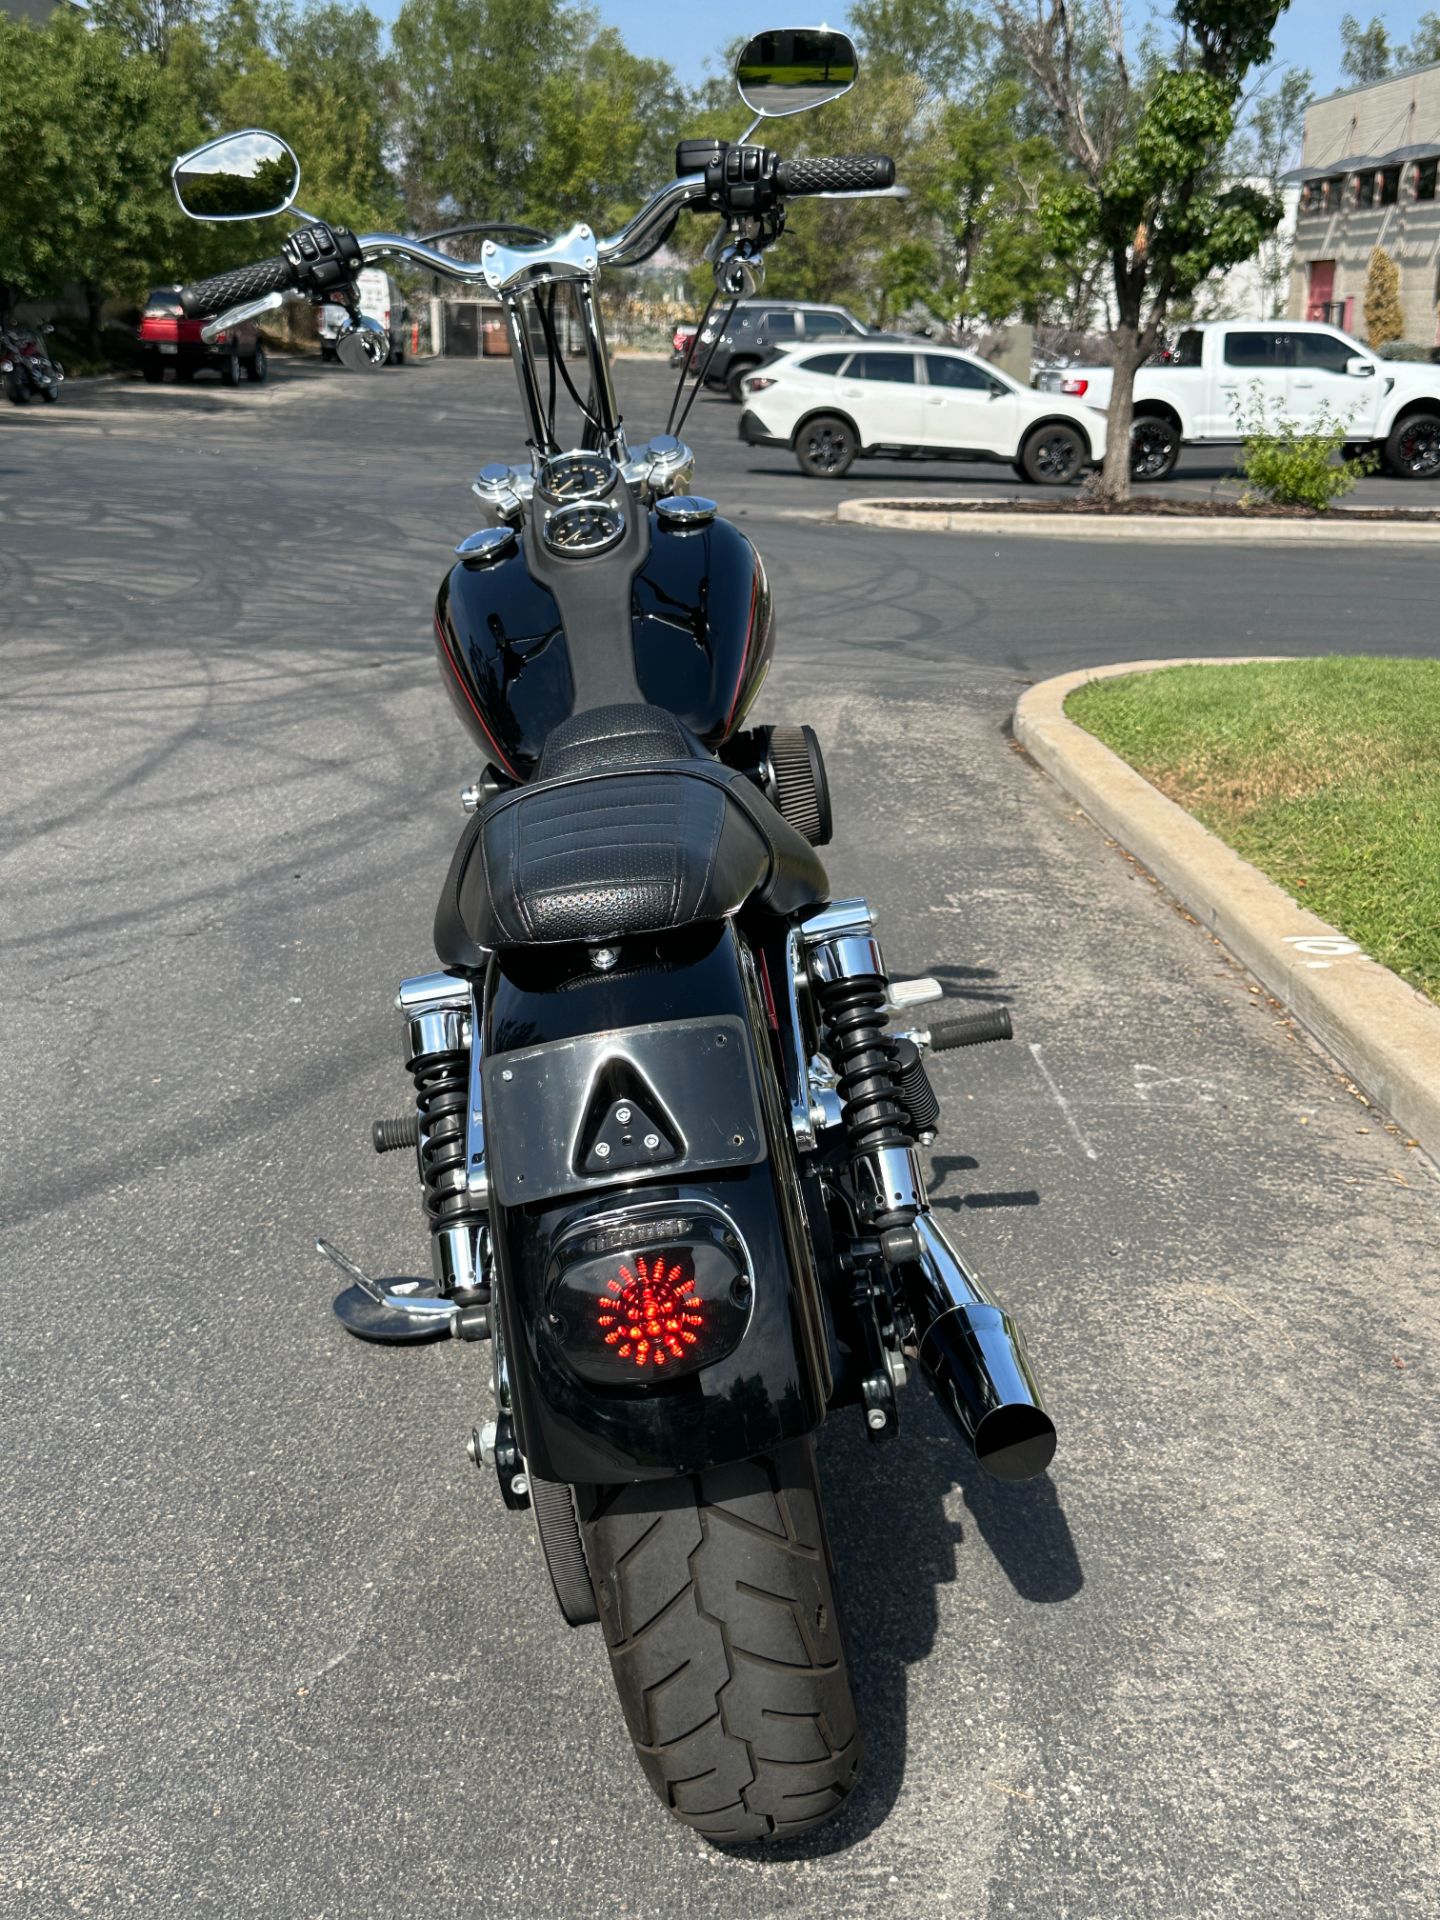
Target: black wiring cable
point(689, 360)
point(679, 427)
point(547, 321)
point(549, 331)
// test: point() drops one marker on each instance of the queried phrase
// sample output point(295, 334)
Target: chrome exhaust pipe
point(975, 1361)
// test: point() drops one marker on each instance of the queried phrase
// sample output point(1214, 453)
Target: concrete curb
point(1383, 1033)
point(1143, 526)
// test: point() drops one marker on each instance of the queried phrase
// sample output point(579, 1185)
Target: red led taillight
point(651, 1315)
point(648, 1295)
point(1075, 386)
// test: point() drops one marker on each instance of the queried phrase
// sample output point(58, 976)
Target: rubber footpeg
point(388, 1136)
point(971, 1030)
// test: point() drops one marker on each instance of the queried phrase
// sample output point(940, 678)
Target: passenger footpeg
point(398, 1313)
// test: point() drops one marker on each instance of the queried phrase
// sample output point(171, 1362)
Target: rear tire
point(717, 1600)
point(152, 372)
point(18, 388)
point(826, 448)
point(258, 365)
point(230, 370)
point(1154, 448)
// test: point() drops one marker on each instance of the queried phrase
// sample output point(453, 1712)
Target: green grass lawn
point(1325, 774)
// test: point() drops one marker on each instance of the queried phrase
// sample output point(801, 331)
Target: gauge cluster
point(584, 527)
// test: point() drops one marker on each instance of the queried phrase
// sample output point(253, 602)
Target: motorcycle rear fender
point(771, 1386)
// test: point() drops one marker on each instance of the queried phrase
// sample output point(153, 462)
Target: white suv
point(929, 402)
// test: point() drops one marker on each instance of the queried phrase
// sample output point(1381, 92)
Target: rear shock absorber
point(848, 973)
point(439, 1040)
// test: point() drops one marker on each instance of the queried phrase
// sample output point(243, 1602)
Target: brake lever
point(247, 310)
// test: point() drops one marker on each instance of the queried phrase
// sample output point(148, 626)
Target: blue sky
point(687, 35)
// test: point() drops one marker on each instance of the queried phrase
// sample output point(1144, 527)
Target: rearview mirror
point(242, 176)
point(1359, 369)
point(792, 68)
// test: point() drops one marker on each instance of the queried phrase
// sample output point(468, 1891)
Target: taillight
point(1074, 386)
point(220, 339)
point(653, 1314)
point(757, 383)
point(646, 1296)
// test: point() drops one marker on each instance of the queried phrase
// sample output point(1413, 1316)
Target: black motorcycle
point(26, 366)
point(666, 1137)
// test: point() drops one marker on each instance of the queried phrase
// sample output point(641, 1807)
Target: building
point(1258, 288)
point(1367, 179)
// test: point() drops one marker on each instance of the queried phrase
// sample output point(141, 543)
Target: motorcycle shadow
point(898, 1542)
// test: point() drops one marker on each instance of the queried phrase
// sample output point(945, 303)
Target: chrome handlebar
point(576, 255)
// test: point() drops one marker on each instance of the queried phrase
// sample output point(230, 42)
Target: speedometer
point(577, 476)
point(588, 526)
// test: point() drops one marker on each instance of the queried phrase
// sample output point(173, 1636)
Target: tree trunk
point(1115, 474)
point(94, 301)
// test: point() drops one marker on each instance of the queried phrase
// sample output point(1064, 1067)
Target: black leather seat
point(629, 827)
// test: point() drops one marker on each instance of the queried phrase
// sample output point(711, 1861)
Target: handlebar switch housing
point(738, 179)
point(324, 257)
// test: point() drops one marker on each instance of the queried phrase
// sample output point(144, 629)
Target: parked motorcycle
point(666, 1139)
point(26, 366)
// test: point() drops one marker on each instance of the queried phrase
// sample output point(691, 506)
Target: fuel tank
point(701, 628)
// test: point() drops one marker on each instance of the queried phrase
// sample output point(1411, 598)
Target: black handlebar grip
point(971, 1030)
point(224, 290)
point(841, 173)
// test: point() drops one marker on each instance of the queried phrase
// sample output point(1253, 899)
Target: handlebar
point(342, 254)
point(222, 290)
point(840, 173)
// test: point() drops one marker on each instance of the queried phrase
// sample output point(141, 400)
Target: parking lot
point(272, 1646)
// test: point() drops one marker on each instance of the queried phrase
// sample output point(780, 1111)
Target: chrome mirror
point(242, 176)
point(792, 68)
point(364, 347)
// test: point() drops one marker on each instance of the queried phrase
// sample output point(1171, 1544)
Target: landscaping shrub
point(1297, 466)
point(1384, 317)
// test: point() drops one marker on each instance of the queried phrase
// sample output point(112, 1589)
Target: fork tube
point(523, 355)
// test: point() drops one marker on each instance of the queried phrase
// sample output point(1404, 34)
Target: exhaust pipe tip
point(976, 1363)
point(1015, 1443)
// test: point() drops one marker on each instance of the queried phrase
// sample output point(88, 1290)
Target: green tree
point(1368, 53)
point(1424, 49)
point(147, 27)
point(1144, 179)
point(468, 118)
point(609, 123)
point(1384, 316)
point(1265, 149)
point(84, 155)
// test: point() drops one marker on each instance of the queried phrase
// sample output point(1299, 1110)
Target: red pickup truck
point(168, 339)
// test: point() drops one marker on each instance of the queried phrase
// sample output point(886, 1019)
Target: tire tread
point(742, 1745)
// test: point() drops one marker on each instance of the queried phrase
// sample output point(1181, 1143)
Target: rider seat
point(629, 827)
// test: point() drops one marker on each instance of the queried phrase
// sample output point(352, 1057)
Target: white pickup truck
point(1300, 367)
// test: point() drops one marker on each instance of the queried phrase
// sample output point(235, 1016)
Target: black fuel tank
point(701, 626)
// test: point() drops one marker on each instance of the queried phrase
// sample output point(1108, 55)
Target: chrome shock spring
point(442, 1097)
point(438, 1049)
point(865, 1062)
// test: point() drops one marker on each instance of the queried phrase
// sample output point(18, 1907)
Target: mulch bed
point(1162, 508)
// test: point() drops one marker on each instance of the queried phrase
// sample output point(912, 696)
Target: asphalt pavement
point(269, 1644)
